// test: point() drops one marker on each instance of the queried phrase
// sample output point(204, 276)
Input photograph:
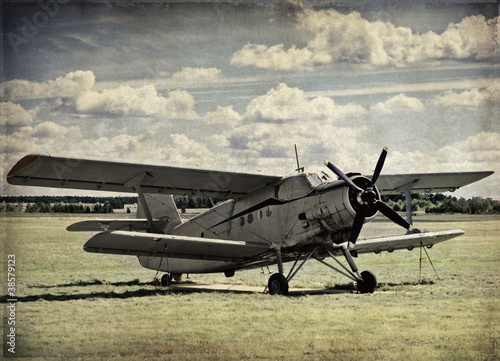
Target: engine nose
point(370, 195)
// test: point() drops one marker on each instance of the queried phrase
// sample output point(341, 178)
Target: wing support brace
point(407, 190)
point(135, 184)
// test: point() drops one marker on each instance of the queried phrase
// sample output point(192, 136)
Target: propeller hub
point(366, 196)
point(369, 196)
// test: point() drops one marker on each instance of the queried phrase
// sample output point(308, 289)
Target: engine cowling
point(339, 204)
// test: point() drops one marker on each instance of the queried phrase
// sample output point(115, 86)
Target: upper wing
point(407, 241)
point(46, 171)
point(427, 183)
point(174, 246)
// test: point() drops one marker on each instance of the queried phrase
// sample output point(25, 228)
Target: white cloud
point(196, 76)
point(399, 102)
point(76, 90)
point(141, 102)
point(72, 84)
point(180, 105)
point(223, 115)
point(45, 137)
point(283, 104)
point(348, 38)
point(14, 115)
point(271, 57)
point(470, 98)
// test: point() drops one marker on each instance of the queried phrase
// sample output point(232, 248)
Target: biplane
point(260, 221)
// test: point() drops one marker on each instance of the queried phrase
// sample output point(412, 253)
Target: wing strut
point(135, 183)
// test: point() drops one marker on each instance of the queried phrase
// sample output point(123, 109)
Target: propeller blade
point(380, 165)
point(341, 175)
point(359, 220)
point(392, 215)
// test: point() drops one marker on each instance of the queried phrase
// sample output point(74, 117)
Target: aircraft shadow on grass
point(178, 289)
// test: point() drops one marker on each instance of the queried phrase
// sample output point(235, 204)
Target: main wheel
point(277, 285)
point(166, 280)
point(369, 283)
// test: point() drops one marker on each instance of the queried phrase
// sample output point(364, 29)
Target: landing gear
point(277, 285)
point(368, 284)
point(166, 280)
point(366, 281)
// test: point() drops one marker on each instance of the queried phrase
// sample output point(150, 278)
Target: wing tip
point(23, 163)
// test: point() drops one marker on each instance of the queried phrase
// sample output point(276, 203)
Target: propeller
point(369, 201)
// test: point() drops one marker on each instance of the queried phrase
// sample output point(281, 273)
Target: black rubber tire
point(369, 283)
point(277, 285)
point(166, 280)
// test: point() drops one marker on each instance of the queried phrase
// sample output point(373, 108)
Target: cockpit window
point(313, 179)
point(297, 186)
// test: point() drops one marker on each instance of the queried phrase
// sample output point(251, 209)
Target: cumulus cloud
point(43, 137)
point(223, 115)
point(478, 152)
point(348, 38)
point(470, 98)
point(141, 102)
point(194, 76)
point(14, 115)
point(283, 104)
point(180, 105)
point(273, 57)
point(186, 152)
point(400, 102)
point(72, 84)
point(74, 92)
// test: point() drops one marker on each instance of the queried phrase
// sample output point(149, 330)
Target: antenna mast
point(299, 169)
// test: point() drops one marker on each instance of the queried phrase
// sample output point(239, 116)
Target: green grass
point(79, 305)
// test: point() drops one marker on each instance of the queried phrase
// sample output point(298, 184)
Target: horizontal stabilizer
point(163, 245)
point(407, 241)
point(99, 225)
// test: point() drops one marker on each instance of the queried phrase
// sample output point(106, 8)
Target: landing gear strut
point(366, 282)
point(278, 283)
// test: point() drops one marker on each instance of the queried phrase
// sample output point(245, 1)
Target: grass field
point(72, 304)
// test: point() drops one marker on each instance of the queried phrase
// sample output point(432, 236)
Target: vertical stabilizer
point(163, 211)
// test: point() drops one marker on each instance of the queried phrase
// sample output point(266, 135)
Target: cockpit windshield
point(297, 186)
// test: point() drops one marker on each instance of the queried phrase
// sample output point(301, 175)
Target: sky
point(234, 85)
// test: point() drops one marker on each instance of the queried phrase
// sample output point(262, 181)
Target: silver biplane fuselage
point(294, 216)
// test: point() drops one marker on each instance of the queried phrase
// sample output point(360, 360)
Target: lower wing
point(173, 246)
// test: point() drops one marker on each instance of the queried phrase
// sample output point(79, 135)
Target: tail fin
point(163, 211)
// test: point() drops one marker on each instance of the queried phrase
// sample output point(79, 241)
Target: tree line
point(84, 204)
point(440, 203)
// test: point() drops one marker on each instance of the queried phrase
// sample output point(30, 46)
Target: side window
point(268, 212)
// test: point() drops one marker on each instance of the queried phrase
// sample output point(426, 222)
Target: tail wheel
point(278, 284)
point(166, 280)
point(368, 284)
